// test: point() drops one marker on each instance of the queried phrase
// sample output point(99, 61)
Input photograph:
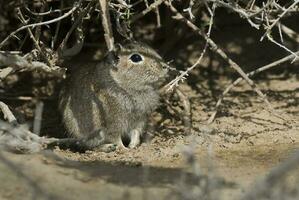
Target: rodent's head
point(136, 65)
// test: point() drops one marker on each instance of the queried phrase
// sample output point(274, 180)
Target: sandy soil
point(239, 148)
point(242, 144)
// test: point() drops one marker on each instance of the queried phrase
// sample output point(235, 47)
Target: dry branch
point(17, 139)
point(183, 75)
point(268, 30)
point(35, 42)
point(147, 10)
point(66, 52)
point(75, 7)
point(7, 113)
point(213, 46)
point(17, 62)
point(106, 24)
point(240, 11)
point(252, 73)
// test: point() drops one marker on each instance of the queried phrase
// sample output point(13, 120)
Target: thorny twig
point(76, 6)
point(246, 14)
point(240, 11)
point(189, 9)
point(183, 75)
point(35, 42)
point(213, 46)
point(252, 73)
point(276, 22)
point(147, 10)
point(284, 47)
point(277, 19)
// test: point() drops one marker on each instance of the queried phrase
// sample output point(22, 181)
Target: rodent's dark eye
point(136, 58)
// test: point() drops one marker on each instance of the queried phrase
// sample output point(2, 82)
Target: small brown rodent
point(103, 103)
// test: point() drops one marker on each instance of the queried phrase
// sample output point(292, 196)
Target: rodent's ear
point(112, 58)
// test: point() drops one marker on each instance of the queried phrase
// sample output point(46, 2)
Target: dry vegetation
point(39, 39)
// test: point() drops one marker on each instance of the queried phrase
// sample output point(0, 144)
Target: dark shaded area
point(130, 173)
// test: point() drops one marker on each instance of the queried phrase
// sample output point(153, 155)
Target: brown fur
point(102, 103)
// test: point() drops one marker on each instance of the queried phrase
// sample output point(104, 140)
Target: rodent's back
point(78, 104)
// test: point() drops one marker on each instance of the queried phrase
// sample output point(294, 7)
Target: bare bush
point(38, 38)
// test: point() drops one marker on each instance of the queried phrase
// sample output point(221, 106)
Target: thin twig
point(279, 18)
point(283, 47)
point(47, 12)
point(240, 11)
point(76, 5)
point(252, 73)
point(183, 75)
point(213, 46)
point(43, 55)
point(147, 10)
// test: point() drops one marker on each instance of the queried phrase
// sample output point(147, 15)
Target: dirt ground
point(237, 149)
